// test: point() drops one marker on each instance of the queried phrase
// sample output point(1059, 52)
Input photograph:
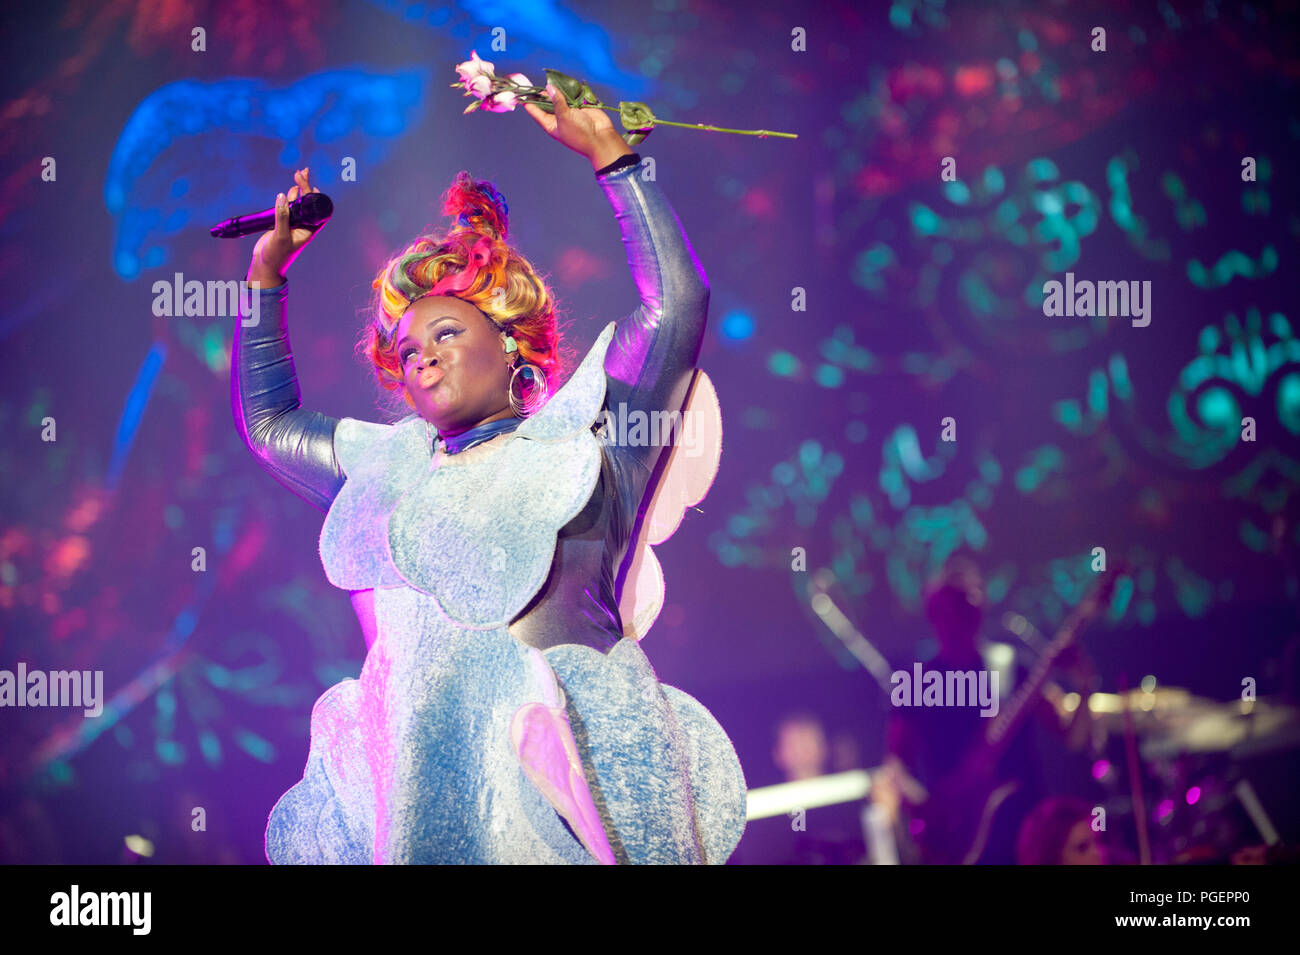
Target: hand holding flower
point(577, 121)
point(586, 131)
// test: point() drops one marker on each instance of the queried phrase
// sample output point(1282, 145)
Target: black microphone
point(308, 212)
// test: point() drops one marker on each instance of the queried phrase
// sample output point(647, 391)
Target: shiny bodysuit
point(648, 368)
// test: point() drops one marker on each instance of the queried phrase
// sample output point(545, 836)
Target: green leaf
point(636, 116)
point(570, 87)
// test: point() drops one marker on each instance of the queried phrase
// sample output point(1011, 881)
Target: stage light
point(139, 845)
point(808, 794)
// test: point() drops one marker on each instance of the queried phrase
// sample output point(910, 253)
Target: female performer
point(501, 714)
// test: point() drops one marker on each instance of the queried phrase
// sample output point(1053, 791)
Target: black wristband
point(628, 159)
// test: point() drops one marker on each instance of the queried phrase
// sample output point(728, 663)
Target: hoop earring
point(522, 407)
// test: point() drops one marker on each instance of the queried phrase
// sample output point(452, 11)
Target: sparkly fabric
point(413, 762)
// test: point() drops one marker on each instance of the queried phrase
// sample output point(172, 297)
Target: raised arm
point(652, 358)
point(650, 362)
point(295, 446)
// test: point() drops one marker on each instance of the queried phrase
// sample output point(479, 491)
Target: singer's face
point(453, 364)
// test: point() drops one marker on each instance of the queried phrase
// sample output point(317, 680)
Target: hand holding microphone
point(309, 212)
point(277, 249)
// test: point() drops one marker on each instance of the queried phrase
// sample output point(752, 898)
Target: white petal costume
point(505, 711)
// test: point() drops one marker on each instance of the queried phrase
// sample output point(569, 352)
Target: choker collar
point(476, 435)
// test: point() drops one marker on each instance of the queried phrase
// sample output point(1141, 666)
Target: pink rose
point(476, 74)
point(505, 101)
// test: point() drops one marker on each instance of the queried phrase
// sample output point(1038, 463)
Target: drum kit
point(1171, 721)
point(1193, 779)
point(1201, 765)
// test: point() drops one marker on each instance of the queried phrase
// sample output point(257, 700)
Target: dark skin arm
point(587, 132)
point(276, 250)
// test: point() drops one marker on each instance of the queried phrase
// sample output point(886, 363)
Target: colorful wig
point(507, 288)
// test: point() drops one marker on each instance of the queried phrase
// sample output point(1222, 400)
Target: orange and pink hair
point(506, 288)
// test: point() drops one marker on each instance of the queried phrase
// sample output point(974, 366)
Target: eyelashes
point(408, 352)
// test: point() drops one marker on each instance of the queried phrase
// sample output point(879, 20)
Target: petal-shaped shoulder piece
point(685, 481)
point(475, 530)
point(575, 406)
point(360, 442)
point(380, 462)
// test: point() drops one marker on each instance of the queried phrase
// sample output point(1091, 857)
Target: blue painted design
point(133, 411)
point(148, 194)
point(569, 42)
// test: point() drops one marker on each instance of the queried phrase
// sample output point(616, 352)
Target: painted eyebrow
point(441, 318)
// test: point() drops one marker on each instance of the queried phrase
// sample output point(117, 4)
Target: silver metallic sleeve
point(652, 358)
point(293, 445)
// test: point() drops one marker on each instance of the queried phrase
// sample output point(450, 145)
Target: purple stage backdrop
point(1021, 293)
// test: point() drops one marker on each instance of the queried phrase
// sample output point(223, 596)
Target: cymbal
point(1162, 699)
point(1172, 720)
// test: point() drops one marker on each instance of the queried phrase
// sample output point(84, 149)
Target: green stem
point(719, 129)
point(669, 122)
